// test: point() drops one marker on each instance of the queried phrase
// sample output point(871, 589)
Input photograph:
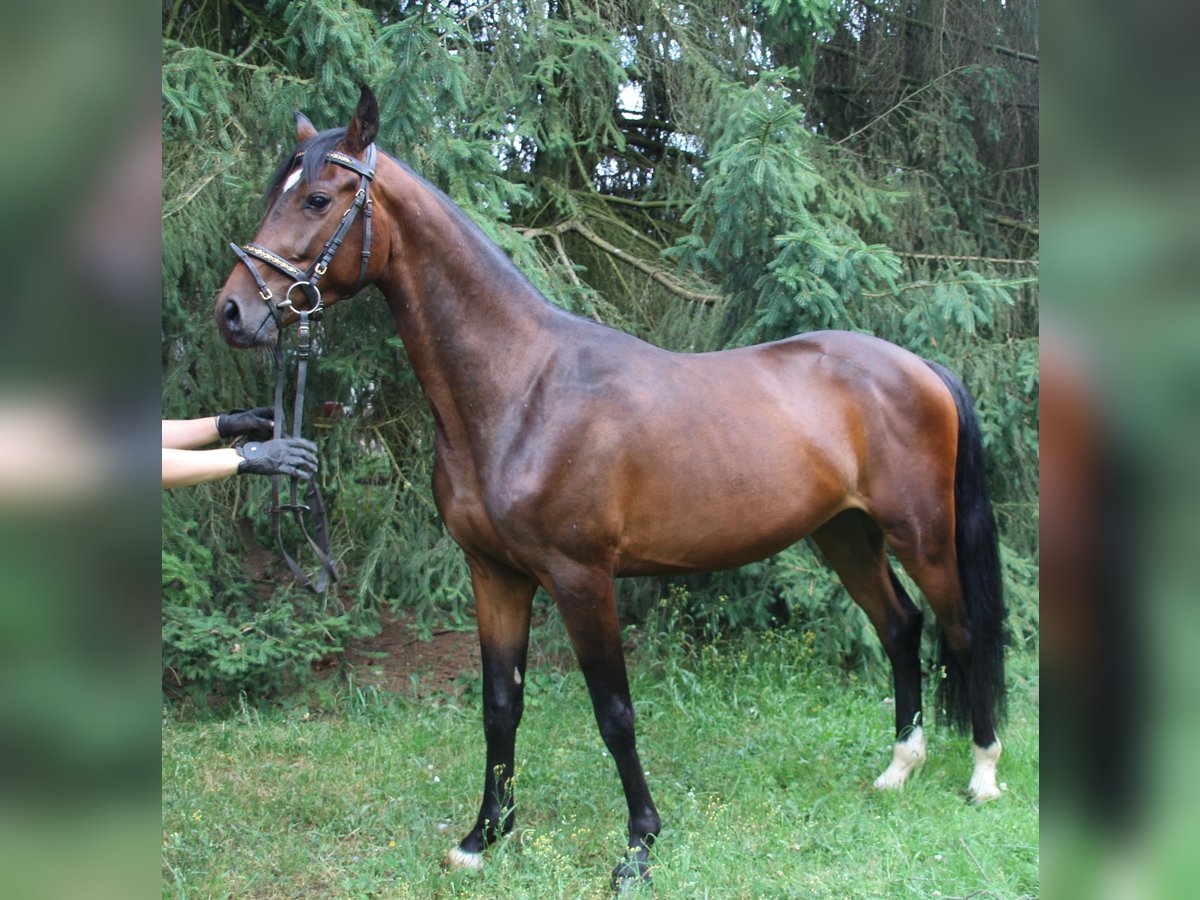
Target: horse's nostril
point(232, 313)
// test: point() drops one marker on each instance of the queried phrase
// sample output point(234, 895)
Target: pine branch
point(224, 59)
point(644, 267)
point(991, 259)
point(177, 205)
point(929, 26)
point(475, 13)
point(655, 274)
point(640, 204)
point(836, 50)
point(1013, 223)
point(849, 91)
point(556, 240)
point(659, 225)
point(917, 285)
point(664, 150)
point(627, 118)
point(617, 222)
point(899, 103)
point(172, 208)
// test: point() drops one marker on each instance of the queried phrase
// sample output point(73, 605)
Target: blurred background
point(80, 182)
point(1120, 422)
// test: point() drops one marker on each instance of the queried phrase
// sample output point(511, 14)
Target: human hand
point(257, 424)
point(283, 456)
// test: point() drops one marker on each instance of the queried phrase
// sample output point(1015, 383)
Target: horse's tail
point(960, 694)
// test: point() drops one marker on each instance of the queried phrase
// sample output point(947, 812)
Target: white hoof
point(907, 756)
point(983, 780)
point(458, 858)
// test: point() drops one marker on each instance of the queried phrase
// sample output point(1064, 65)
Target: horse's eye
point(316, 201)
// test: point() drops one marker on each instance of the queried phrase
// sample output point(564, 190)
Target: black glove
point(283, 456)
point(257, 424)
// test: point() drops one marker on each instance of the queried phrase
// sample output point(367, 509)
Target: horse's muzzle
point(244, 324)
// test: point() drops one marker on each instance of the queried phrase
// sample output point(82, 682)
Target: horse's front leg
point(503, 599)
point(587, 601)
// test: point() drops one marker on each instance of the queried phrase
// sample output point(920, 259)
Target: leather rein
point(306, 281)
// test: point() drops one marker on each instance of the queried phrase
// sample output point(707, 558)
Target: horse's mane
point(313, 153)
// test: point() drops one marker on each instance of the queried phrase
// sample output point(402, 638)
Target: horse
point(569, 454)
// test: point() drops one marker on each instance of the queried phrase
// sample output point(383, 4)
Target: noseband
point(306, 281)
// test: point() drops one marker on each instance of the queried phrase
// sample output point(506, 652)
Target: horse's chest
point(462, 503)
point(496, 516)
point(456, 489)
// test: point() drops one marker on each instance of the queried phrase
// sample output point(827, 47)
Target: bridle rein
point(306, 281)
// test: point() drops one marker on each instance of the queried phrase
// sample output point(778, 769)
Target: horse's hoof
point(631, 873)
point(978, 799)
point(983, 785)
point(907, 757)
point(458, 858)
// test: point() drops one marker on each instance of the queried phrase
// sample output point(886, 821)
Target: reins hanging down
point(319, 540)
point(306, 281)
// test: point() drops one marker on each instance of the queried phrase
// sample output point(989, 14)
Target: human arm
point(285, 456)
point(182, 468)
point(186, 434)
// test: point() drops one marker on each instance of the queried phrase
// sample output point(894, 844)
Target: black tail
point(976, 695)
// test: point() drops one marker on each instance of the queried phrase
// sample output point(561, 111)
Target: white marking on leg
point(458, 858)
point(516, 675)
point(983, 779)
point(291, 181)
point(908, 755)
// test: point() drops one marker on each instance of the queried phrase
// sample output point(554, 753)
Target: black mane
point(313, 151)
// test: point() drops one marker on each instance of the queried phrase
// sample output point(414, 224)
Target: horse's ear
point(365, 124)
point(304, 128)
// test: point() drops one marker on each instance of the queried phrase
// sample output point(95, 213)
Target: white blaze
point(291, 181)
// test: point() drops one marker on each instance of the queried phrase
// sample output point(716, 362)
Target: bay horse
point(568, 454)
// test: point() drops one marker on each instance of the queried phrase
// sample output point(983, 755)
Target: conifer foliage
point(702, 174)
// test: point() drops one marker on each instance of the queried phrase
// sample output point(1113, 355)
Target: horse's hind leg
point(854, 546)
point(503, 600)
point(935, 570)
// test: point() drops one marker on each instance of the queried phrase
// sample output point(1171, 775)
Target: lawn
point(761, 764)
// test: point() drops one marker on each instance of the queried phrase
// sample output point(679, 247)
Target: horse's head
point(318, 199)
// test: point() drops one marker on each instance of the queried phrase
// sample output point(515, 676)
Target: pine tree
point(702, 176)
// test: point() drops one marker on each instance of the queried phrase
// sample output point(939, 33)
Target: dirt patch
point(398, 660)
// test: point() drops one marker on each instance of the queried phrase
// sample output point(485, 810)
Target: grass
point(760, 765)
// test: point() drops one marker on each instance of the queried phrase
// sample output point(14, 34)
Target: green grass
point(761, 768)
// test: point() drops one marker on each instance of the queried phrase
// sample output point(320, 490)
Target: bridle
point(306, 281)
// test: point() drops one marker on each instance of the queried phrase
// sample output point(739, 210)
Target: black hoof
point(631, 873)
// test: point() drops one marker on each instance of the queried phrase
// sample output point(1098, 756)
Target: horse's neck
point(475, 330)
